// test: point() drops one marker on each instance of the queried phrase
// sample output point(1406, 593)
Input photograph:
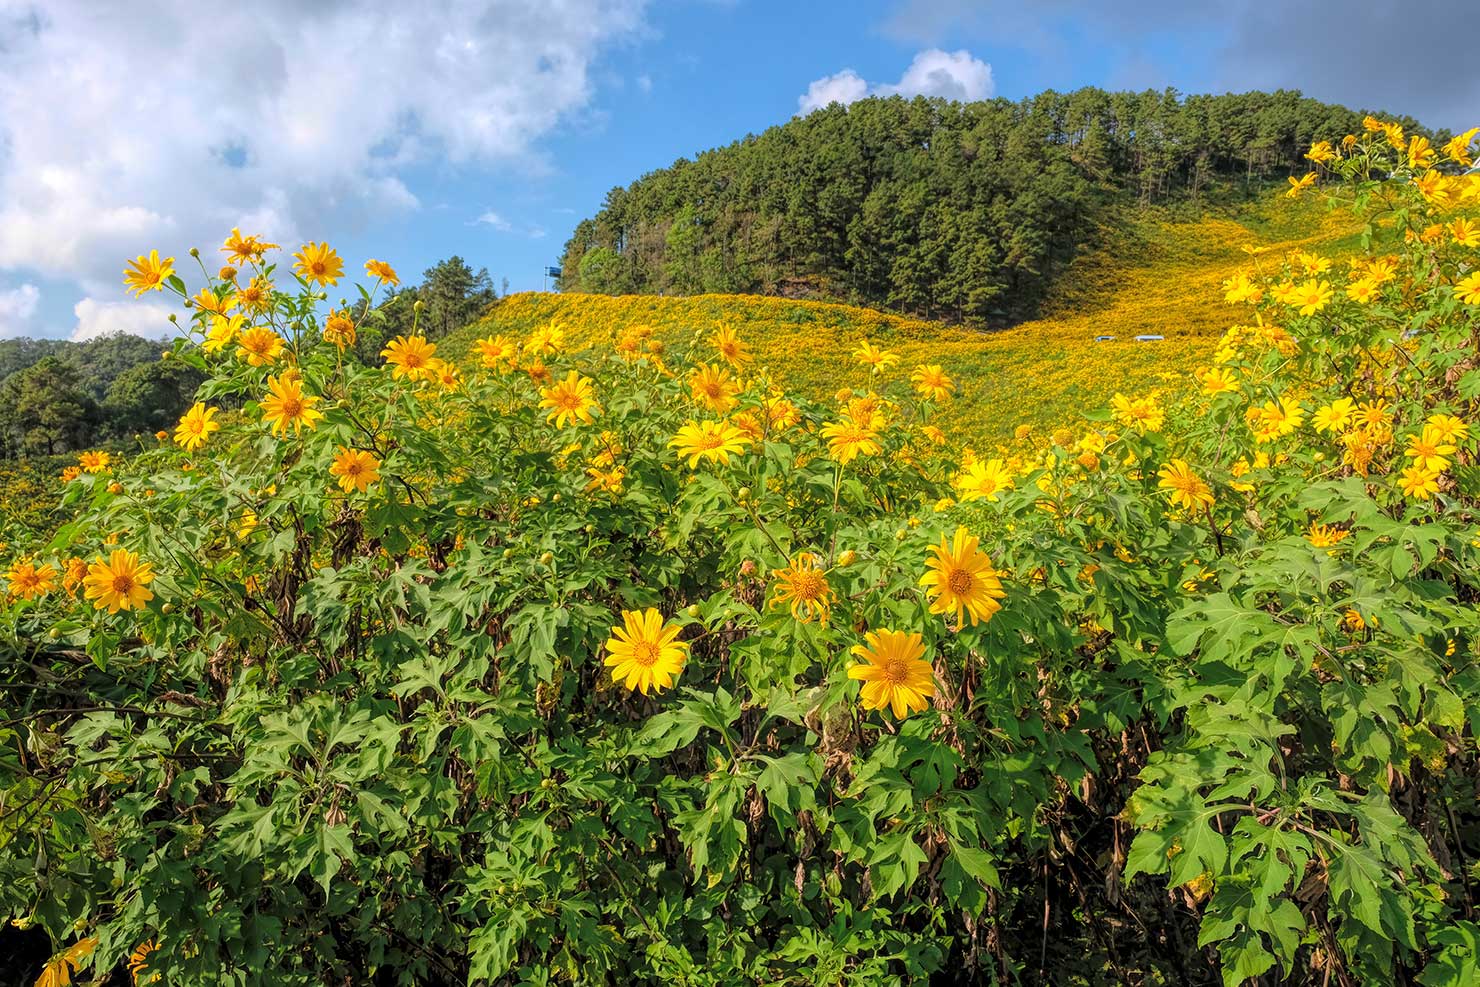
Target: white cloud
point(119, 133)
point(491, 218)
point(96, 318)
point(16, 308)
point(845, 87)
point(950, 75)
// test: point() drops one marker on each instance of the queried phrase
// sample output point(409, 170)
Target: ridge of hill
point(1034, 373)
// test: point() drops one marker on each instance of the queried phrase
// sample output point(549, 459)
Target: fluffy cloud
point(95, 318)
point(120, 132)
point(16, 308)
point(845, 87)
point(950, 75)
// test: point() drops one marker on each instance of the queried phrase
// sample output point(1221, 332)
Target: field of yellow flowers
point(1156, 276)
point(609, 649)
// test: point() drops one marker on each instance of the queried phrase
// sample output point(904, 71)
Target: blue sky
point(412, 132)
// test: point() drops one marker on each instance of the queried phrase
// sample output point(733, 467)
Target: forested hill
point(963, 212)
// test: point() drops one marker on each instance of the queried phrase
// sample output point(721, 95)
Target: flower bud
point(847, 557)
point(547, 558)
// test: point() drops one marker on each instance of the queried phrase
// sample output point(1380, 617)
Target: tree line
point(958, 211)
point(60, 396)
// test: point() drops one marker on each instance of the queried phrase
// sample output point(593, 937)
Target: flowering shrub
point(623, 664)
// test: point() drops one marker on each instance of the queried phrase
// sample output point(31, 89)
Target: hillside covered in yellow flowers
point(1156, 275)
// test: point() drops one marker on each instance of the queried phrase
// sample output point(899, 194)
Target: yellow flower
point(208, 301)
point(848, 439)
point(894, 672)
point(932, 383)
point(339, 329)
point(1429, 449)
point(1240, 288)
point(714, 441)
point(1310, 262)
point(94, 462)
point(1216, 380)
point(496, 351)
point(729, 347)
point(409, 356)
point(443, 373)
point(1450, 428)
point(609, 480)
point(803, 586)
point(1419, 483)
point(1325, 535)
point(381, 271)
point(545, 340)
point(1468, 289)
point(1458, 148)
point(318, 263)
point(71, 473)
point(223, 331)
point(1022, 432)
point(874, 357)
point(962, 579)
point(572, 399)
point(1145, 413)
point(1420, 153)
point(645, 654)
point(1185, 488)
point(1363, 291)
point(259, 346)
point(242, 250)
point(1440, 190)
point(246, 524)
point(713, 387)
point(147, 273)
point(138, 965)
point(256, 297)
point(1273, 421)
point(935, 435)
point(59, 969)
point(1312, 296)
point(1298, 185)
point(1375, 417)
point(73, 573)
point(196, 427)
point(1321, 152)
point(1333, 417)
point(983, 480)
point(356, 469)
point(119, 583)
point(1466, 232)
point(286, 405)
point(27, 581)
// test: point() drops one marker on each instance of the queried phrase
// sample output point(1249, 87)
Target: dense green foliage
point(1220, 722)
point(963, 212)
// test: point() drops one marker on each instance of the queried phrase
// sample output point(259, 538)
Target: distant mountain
point(964, 212)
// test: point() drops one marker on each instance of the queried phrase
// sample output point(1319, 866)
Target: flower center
point(807, 585)
point(292, 407)
point(123, 584)
point(896, 671)
point(645, 653)
point(960, 582)
point(709, 440)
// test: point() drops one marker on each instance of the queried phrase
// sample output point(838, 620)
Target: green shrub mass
point(361, 726)
point(965, 212)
